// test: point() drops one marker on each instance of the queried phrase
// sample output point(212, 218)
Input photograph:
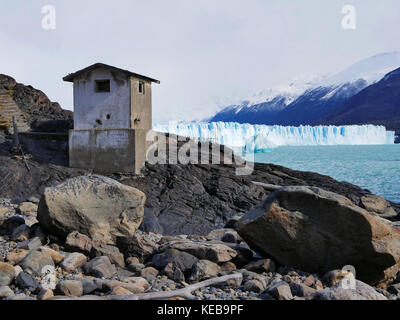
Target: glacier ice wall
point(257, 138)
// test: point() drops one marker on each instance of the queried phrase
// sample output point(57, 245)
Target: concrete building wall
point(141, 104)
point(102, 110)
point(107, 151)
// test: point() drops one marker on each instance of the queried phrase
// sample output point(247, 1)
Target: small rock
point(182, 260)
point(72, 288)
point(280, 291)
point(232, 222)
point(26, 281)
point(100, 267)
point(5, 292)
point(214, 252)
point(3, 211)
point(28, 208)
point(120, 291)
point(244, 254)
point(309, 281)
point(37, 262)
point(137, 246)
point(139, 281)
point(32, 244)
point(377, 204)
point(37, 232)
point(216, 234)
point(17, 270)
point(45, 294)
point(228, 267)
point(73, 261)
point(231, 237)
point(33, 199)
point(260, 266)
point(333, 277)
point(132, 260)
point(266, 296)
point(301, 290)
point(253, 286)
point(7, 274)
point(173, 272)
point(130, 285)
point(77, 242)
point(112, 252)
point(10, 224)
point(17, 255)
point(150, 271)
point(21, 233)
point(136, 267)
point(168, 239)
point(56, 256)
point(204, 269)
point(19, 297)
point(89, 286)
point(394, 289)
point(318, 285)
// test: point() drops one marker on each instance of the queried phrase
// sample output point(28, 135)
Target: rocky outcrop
point(95, 206)
point(180, 199)
point(316, 231)
point(37, 107)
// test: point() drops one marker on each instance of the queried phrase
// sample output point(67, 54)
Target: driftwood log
point(185, 293)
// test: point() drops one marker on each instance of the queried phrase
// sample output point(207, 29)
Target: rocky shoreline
point(117, 261)
point(191, 232)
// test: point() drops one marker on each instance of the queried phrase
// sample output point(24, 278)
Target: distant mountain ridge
point(317, 101)
point(379, 103)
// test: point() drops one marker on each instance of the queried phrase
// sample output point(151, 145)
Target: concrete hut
point(112, 115)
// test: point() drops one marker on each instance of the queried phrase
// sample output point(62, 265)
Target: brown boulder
point(317, 231)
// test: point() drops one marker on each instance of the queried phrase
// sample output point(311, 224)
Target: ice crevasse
point(258, 138)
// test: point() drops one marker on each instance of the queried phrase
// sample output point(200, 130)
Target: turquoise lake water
point(373, 167)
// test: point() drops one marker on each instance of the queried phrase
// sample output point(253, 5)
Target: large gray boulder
point(317, 231)
point(96, 206)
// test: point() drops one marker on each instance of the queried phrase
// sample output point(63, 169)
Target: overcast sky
point(203, 51)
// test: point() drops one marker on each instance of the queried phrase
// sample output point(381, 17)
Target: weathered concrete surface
point(96, 206)
point(102, 110)
point(141, 105)
point(108, 150)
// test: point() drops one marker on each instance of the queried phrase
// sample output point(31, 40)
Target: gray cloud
point(202, 51)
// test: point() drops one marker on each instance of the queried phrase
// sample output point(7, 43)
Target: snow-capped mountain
point(377, 104)
point(267, 104)
point(304, 102)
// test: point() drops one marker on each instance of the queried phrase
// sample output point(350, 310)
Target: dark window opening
point(141, 87)
point(99, 122)
point(102, 86)
point(108, 116)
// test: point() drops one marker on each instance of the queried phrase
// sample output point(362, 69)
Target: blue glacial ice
point(259, 138)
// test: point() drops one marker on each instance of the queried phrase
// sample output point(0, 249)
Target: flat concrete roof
point(70, 77)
